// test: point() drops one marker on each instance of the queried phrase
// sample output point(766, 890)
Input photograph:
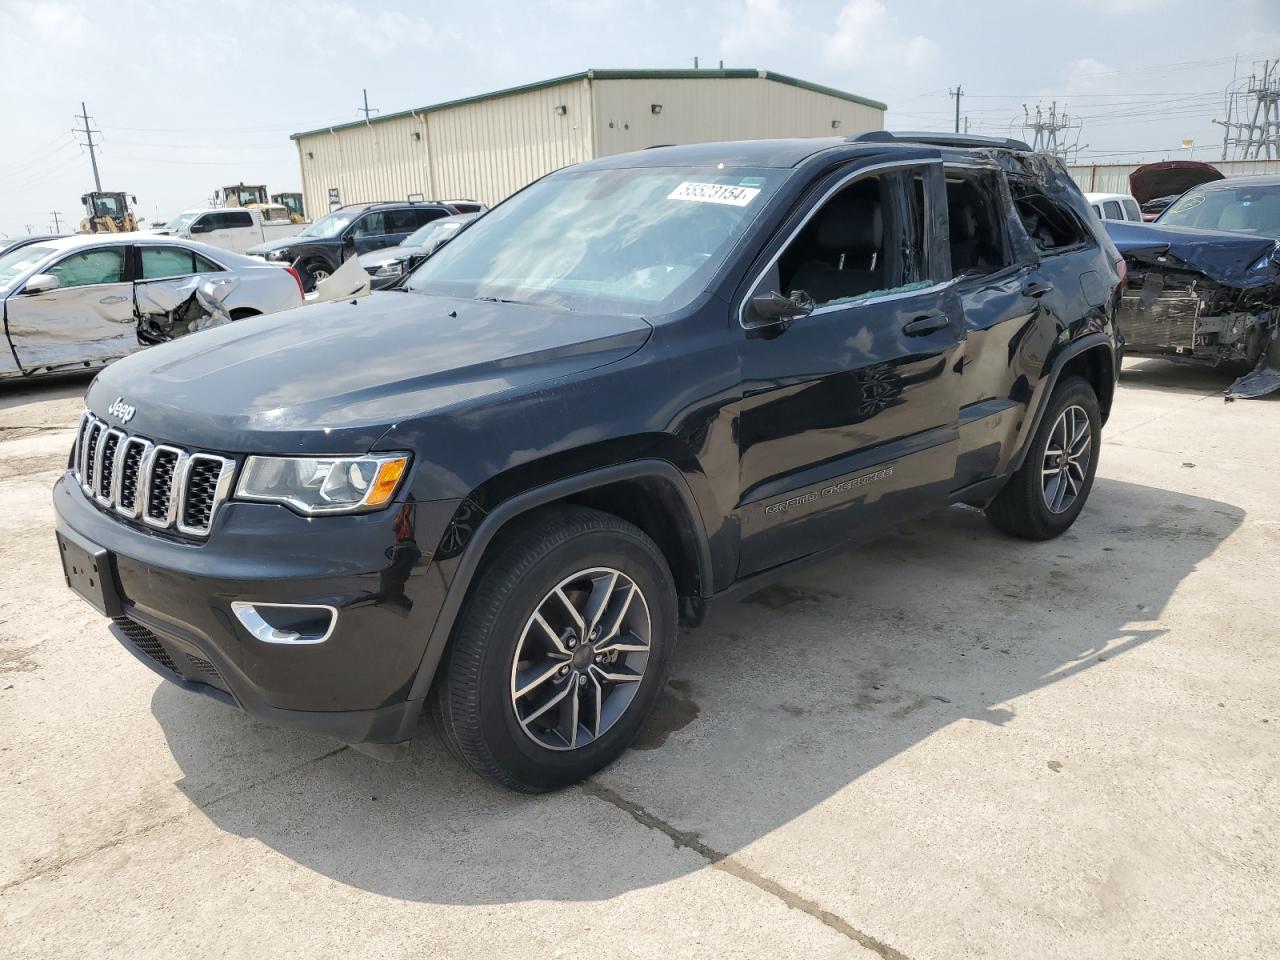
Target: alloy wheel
point(580, 659)
point(1066, 459)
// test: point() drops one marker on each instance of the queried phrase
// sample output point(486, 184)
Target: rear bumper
point(173, 601)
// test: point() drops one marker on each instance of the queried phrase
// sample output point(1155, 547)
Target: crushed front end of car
point(1203, 296)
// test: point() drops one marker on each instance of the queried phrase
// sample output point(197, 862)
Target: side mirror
point(40, 283)
point(200, 226)
point(774, 308)
point(348, 240)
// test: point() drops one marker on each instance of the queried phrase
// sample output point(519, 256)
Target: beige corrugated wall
point(482, 151)
point(1114, 177)
point(706, 109)
point(489, 148)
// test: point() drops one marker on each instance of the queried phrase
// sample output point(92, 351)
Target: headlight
point(391, 268)
point(320, 485)
point(278, 255)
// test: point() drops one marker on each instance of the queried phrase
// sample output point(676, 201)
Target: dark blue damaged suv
point(639, 385)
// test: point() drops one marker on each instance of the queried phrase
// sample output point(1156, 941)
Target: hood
point(1170, 177)
point(281, 243)
point(1226, 257)
point(376, 258)
point(333, 377)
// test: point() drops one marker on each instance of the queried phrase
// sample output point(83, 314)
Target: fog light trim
point(257, 625)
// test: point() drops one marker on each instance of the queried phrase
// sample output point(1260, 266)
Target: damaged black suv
point(639, 385)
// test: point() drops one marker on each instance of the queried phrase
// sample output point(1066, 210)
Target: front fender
point(478, 538)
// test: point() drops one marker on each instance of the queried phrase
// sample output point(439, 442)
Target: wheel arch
point(1091, 357)
point(651, 494)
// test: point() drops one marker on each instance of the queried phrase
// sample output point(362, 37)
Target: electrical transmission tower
point(1252, 127)
point(1052, 132)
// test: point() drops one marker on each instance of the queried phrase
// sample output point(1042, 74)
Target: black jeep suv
point(323, 246)
point(638, 385)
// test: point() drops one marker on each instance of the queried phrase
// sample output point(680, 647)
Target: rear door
point(88, 319)
point(240, 230)
point(994, 279)
point(849, 419)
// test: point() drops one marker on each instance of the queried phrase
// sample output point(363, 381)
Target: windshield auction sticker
point(726, 193)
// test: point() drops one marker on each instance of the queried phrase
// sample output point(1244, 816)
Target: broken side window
point(1051, 225)
point(978, 239)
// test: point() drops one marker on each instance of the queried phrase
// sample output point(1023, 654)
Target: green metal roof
point(731, 74)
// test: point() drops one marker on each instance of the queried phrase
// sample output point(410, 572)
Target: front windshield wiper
point(528, 303)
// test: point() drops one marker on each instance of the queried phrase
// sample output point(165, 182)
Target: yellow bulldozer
point(108, 212)
point(255, 195)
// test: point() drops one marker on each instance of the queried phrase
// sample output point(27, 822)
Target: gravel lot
point(948, 744)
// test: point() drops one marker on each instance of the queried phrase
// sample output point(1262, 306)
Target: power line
point(88, 133)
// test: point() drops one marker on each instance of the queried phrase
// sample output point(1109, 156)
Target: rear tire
point(518, 632)
point(1044, 497)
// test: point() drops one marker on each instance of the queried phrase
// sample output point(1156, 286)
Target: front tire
point(560, 652)
point(1044, 497)
point(313, 271)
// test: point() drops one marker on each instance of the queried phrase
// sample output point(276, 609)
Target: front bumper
point(174, 609)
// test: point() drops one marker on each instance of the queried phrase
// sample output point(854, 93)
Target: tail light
point(1122, 268)
point(297, 277)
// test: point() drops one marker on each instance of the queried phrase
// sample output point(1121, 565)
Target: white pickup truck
point(232, 228)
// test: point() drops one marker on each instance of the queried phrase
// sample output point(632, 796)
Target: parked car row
point(324, 245)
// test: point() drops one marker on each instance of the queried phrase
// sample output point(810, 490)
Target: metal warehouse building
point(487, 147)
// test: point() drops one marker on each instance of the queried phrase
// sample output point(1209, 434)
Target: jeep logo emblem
point(120, 410)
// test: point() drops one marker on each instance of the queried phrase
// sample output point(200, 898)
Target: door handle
point(929, 323)
point(1036, 289)
point(113, 299)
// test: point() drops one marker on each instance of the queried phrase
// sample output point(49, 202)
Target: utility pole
point(958, 92)
point(366, 109)
point(88, 135)
point(28, 229)
point(57, 227)
point(1051, 131)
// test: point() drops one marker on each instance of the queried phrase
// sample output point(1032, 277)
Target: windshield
point(1244, 209)
point(641, 240)
point(182, 221)
point(16, 263)
point(432, 233)
point(330, 226)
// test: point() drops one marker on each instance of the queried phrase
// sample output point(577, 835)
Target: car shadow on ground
point(17, 394)
point(776, 704)
point(1183, 376)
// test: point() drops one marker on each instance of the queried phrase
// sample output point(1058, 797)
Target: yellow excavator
point(108, 212)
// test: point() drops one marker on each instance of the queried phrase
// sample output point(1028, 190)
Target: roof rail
point(939, 139)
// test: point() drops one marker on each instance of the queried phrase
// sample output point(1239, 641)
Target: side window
point(1097, 210)
point(407, 221)
point(205, 265)
point(90, 266)
point(1131, 211)
point(867, 240)
point(1111, 210)
point(370, 225)
point(161, 262)
point(978, 239)
point(237, 219)
point(1051, 225)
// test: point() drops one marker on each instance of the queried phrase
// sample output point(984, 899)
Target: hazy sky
point(192, 95)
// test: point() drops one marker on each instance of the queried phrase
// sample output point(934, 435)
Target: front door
point(849, 419)
point(87, 319)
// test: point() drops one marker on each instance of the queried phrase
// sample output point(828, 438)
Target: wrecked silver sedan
point(1204, 281)
point(81, 302)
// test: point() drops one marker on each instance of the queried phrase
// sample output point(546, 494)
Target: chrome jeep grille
point(155, 484)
